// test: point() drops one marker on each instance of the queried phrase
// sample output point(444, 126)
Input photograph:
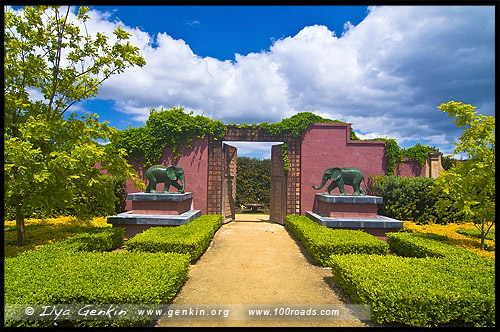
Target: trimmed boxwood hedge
point(420, 291)
point(420, 245)
point(191, 239)
point(321, 242)
point(78, 271)
point(94, 239)
point(55, 276)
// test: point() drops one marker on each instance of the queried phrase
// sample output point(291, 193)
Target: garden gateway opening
point(210, 166)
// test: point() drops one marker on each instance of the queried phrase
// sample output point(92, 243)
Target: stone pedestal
point(161, 204)
point(153, 210)
point(352, 212)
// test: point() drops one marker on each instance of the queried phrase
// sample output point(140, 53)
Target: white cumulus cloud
point(386, 75)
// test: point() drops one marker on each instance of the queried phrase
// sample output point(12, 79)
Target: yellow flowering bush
point(41, 232)
point(454, 238)
point(65, 221)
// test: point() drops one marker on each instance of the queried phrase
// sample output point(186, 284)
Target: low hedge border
point(55, 276)
point(321, 242)
point(419, 291)
point(191, 239)
point(420, 245)
point(95, 239)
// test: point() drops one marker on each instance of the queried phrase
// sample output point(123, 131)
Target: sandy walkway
point(257, 263)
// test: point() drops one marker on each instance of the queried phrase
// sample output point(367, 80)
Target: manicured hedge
point(419, 245)
point(321, 242)
point(420, 291)
point(55, 276)
point(95, 239)
point(191, 239)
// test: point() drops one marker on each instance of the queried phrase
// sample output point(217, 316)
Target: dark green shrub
point(191, 239)
point(55, 276)
point(420, 245)
point(405, 198)
point(420, 291)
point(253, 181)
point(321, 242)
point(412, 199)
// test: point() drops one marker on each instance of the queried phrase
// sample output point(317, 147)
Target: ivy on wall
point(167, 128)
point(173, 128)
point(295, 125)
point(394, 153)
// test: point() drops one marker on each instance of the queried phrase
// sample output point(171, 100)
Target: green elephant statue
point(341, 176)
point(167, 175)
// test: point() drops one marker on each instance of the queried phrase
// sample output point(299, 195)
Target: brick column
point(293, 177)
point(215, 176)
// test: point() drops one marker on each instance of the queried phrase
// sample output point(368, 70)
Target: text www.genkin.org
point(187, 312)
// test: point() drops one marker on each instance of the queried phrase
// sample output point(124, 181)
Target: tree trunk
point(19, 223)
point(482, 234)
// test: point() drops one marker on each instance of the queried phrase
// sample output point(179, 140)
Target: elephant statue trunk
point(183, 183)
point(323, 182)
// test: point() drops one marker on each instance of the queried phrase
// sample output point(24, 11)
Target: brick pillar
point(293, 177)
point(215, 176)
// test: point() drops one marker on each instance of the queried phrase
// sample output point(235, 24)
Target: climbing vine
point(172, 127)
point(393, 153)
point(295, 125)
point(286, 160)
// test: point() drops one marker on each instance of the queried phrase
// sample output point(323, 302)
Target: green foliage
point(420, 245)
point(50, 155)
point(297, 124)
point(321, 242)
point(448, 162)
point(94, 239)
point(55, 276)
point(406, 198)
point(191, 239)
point(477, 233)
point(286, 160)
point(167, 128)
point(394, 153)
point(253, 181)
point(420, 291)
point(471, 184)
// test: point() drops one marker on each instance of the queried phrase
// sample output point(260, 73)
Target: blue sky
point(384, 69)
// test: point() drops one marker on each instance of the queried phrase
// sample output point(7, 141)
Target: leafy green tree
point(471, 184)
point(54, 159)
point(253, 181)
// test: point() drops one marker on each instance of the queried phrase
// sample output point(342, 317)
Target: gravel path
point(254, 262)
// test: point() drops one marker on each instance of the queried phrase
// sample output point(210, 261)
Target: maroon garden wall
point(195, 165)
point(328, 145)
point(322, 145)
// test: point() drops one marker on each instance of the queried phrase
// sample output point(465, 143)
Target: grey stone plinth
point(128, 218)
point(171, 197)
point(349, 199)
point(378, 222)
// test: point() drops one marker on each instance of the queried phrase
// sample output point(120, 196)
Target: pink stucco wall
point(409, 168)
point(195, 165)
point(329, 145)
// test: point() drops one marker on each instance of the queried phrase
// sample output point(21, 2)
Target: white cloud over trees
point(386, 75)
